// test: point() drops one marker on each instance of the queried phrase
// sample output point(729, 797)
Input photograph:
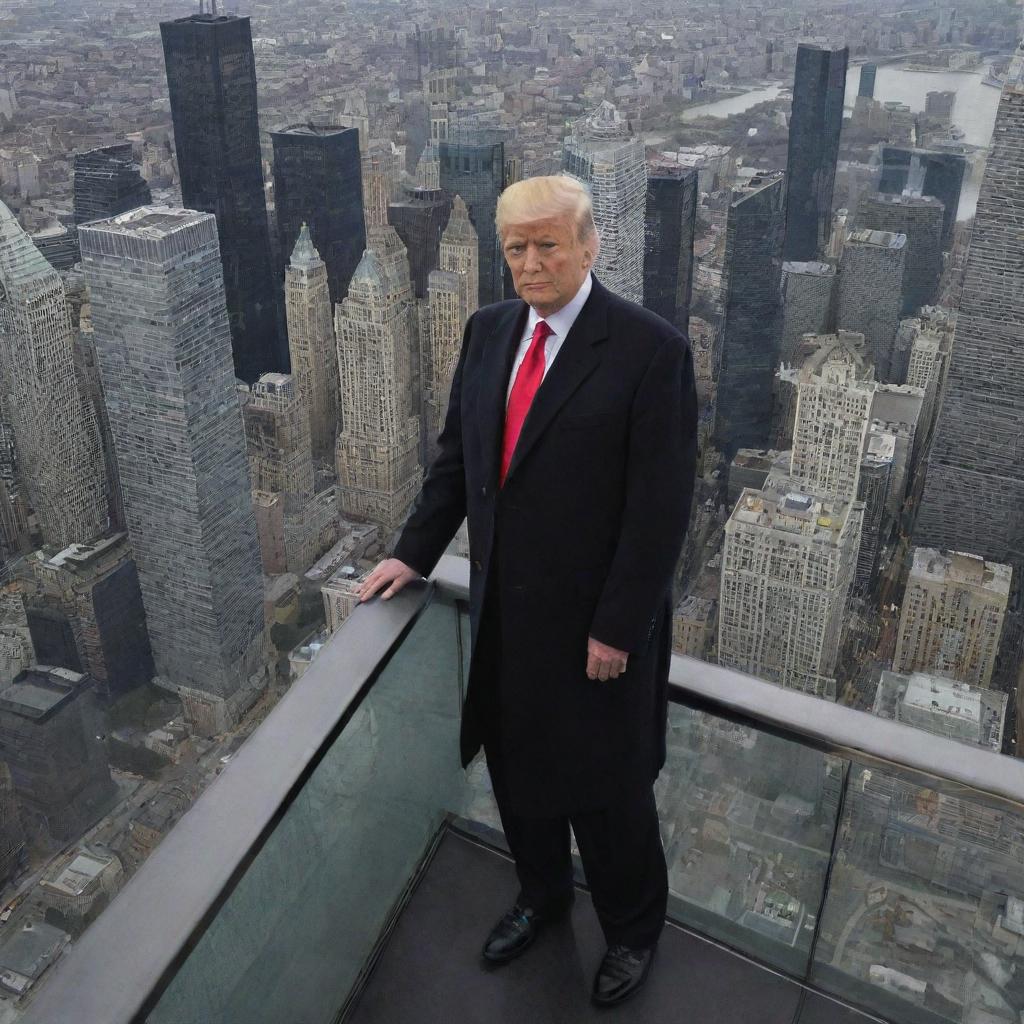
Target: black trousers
point(620, 844)
point(623, 859)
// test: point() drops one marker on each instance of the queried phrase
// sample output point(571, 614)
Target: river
point(974, 111)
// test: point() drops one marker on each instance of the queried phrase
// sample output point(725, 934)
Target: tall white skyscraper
point(602, 151)
point(833, 412)
point(164, 353)
point(56, 437)
point(378, 446)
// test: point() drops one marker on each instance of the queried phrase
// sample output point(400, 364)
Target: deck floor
point(431, 971)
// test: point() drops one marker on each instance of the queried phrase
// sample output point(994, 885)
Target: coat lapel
point(577, 359)
point(500, 354)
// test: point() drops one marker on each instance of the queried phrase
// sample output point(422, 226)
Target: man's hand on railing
point(391, 570)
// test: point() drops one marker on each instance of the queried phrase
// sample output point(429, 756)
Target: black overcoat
point(590, 521)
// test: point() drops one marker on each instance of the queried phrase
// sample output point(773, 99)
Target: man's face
point(548, 261)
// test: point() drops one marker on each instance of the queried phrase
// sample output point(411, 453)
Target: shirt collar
point(562, 321)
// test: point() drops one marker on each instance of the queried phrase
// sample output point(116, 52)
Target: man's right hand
point(392, 571)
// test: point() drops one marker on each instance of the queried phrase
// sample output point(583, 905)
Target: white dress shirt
point(559, 322)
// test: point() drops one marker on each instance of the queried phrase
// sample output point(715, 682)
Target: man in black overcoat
point(570, 443)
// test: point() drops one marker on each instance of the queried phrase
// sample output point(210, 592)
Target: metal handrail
point(822, 724)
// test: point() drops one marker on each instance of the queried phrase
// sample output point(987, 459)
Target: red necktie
point(531, 373)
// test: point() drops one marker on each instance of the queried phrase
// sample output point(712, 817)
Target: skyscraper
point(866, 86)
point(832, 414)
point(95, 589)
point(49, 738)
point(604, 153)
point(56, 438)
point(452, 298)
point(472, 165)
point(753, 269)
point(163, 345)
point(318, 182)
point(107, 182)
point(281, 465)
point(920, 218)
point(211, 77)
point(460, 254)
point(419, 216)
point(382, 172)
point(378, 446)
point(974, 486)
point(897, 410)
point(314, 355)
point(952, 616)
point(772, 623)
point(669, 226)
point(817, 117)
point(873, 490)
point(869, 295)
point(935, 174)
point(808, 291)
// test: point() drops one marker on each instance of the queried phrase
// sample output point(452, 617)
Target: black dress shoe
point(516, 930)
point(511, 935)
point(621, 974)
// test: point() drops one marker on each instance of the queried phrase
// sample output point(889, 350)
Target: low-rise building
point(945, 707)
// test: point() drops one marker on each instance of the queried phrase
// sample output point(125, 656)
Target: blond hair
point(547, 195)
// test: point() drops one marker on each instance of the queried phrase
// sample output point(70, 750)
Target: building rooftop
point(39, 691)
point(881, 448)
point(304, 253)
point(961, 567)
point(205, 19)
point(81, 557)
point(943, 706)
point(813, 268)
point(755, 458)
point(150, 222)
point(78, 874)
point(31, 949)
point(695, 608)
point(314, 130)
point(759, 181)
point(881, 239)
point(906, 199)
point(782, 506)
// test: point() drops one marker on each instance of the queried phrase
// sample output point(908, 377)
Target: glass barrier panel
point(924, 916)
point(291, 940)
point(748, 820)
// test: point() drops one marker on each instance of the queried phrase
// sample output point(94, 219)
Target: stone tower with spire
point(377, 452)
point(452, 292)
point(311, 343)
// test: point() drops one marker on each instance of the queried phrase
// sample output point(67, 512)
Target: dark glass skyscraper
point(107, 182)
point(815, 122)
point(867, 80)
point(473, 166)
point(211, 77)
point(751, 328)
point(935, 174)
point(668, 242)
point(420, 217)
point(318, 181)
